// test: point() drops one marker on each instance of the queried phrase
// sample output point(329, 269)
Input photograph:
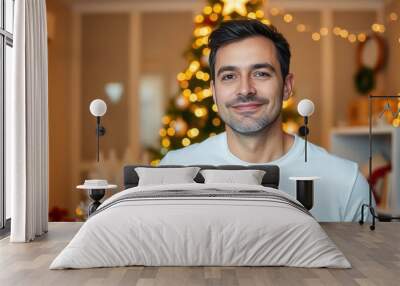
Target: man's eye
point(261, 74)
point(228, 77)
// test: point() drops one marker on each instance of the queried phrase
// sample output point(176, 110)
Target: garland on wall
point(364, 80)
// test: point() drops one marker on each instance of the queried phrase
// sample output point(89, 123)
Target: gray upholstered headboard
point(270, 179)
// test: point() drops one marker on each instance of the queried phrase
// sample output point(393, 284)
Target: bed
point(201, 224)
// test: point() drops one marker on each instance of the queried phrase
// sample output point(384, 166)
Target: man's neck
point(266, 146)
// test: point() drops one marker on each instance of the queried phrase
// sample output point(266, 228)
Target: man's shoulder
point(194, 153)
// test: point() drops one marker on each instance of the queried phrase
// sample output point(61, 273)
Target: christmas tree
point(192, 115)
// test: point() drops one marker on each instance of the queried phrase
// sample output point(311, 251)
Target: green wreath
point(364, 80)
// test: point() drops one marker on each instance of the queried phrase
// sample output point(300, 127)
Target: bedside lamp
point(98, 108)
point(305, 109)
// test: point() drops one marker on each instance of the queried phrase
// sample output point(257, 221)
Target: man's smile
point(246, 107)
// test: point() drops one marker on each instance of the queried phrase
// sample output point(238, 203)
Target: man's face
point(248, 87)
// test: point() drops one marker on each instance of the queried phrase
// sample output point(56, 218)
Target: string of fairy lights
point(204, 21)
point(338, 31)
point(345, 34)
point(316, 35)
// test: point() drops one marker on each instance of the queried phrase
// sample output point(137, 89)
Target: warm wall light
point(98, 108)
point(305, 109)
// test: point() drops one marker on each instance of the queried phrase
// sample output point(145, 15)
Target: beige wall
point(105, 43)
point(305, 64)
point(105, 54)
point(165, 37)
point(393, 35)
point(59, 106)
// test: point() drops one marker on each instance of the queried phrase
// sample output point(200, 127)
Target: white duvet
point(183, 231)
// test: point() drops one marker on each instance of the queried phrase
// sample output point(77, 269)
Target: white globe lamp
point(98, 108)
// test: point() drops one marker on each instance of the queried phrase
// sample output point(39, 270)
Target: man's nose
point(246, 86)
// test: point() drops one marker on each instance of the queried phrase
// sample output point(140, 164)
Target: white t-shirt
point(338, 194)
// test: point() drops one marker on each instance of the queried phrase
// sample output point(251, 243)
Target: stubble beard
point(252, 128)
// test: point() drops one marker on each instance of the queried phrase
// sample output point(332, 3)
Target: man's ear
point(288, 86)
point(213, 90)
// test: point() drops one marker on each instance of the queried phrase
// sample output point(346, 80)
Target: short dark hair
point(235, 30)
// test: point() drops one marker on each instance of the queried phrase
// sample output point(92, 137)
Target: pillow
point(248, 177)
point(163, 176)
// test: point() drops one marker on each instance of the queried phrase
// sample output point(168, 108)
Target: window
point(151, 109)
point(6, 62)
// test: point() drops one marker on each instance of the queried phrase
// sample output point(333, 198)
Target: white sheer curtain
point(27, 124)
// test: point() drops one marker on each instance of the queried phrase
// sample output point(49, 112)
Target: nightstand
point(96, 193)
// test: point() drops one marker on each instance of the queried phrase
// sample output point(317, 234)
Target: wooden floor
point(374, 255)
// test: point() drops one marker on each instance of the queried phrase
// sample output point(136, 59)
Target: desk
point(374, 255)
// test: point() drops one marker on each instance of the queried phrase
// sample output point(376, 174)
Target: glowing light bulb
point(207, 10)
point(165, 142)
point(199, 19)
point(324, 31)
point(185, 141)
point(316, 36)
point(166, 119)
point(362, 37)
point(274, 11)
point(301, 28)
point(162, 132)
point(288, 18)
point(352, 38)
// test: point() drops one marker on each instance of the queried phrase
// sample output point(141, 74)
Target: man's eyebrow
point(226, 68)
point(253, 67)
point(263, 65)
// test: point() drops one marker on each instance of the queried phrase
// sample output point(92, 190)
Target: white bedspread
point(182, 231)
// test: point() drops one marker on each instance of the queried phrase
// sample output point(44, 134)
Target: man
point(249, 64)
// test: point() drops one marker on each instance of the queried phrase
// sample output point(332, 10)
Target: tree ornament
point(180, 127)
point(238, 6)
